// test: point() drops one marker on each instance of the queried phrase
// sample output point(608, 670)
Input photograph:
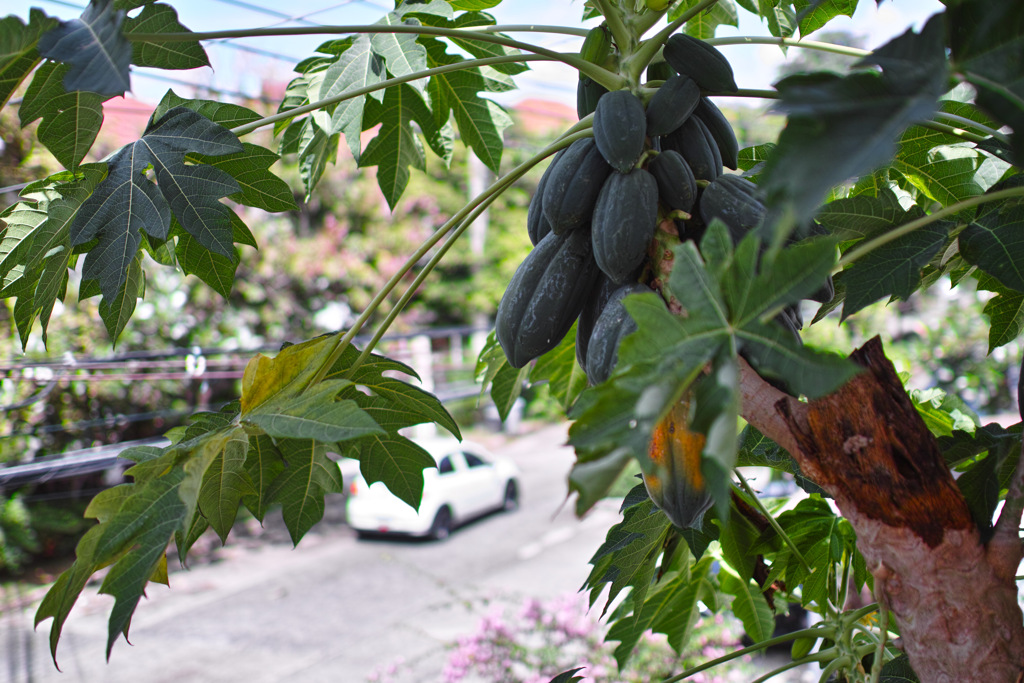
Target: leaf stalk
point(863, 250)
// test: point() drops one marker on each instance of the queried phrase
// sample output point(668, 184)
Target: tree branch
point(759, 401)
point(1005, 550)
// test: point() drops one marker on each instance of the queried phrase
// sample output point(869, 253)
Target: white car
point(467, 483)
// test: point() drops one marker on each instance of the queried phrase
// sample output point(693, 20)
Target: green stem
point(398, 80)
point(791, 42)
point(745, 485)
point(786, 667)
point(647, 49)
point(957, 131)
point(832, 667)
point(965, 123)
point(862, 250)
point(876, 667)
point(578, 131)
point(827, 632)
point(572, 59)
point(622, 36)
point(858, 614)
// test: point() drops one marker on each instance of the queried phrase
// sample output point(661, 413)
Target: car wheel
point(511, 501)
point(442, 526)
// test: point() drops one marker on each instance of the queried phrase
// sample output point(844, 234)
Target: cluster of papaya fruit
point(598, 206)
point(596, 213)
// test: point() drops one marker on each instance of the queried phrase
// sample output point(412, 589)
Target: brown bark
point(952, 596)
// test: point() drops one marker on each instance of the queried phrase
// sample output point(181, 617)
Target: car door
point(480, 474)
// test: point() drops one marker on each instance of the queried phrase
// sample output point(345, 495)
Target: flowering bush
point(546, 638)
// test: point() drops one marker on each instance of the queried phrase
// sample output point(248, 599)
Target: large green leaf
point(161, 18)
point(313, 414)
point(893, 269)
point(749, 606)
point(629, 554)
point(127, 203)
point(260, 188)
point(672, 608)
point(71, 120)
point(309, 476)
point(1005, 313)
point(559, 368)
point(402, 54)
point(994, 241)
point(35, 248)
point(862, 215)
point(814, 14)
point(480, 121)
point(225, 483)
point(95, 48)
point(357, 67)
point(18, 54)
point(397, 146)
point(263, 464)
point(705, 23)
point(840, 127)
point(396, 461)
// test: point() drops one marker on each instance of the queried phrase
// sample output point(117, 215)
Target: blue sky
point(238, 70)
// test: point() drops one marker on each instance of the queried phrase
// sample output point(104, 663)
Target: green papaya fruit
point(573, 186)
point(735, 201)
point(625, 218)
point(671, 105)
point(692, 142)
point(545, 296)
point(701, 62)
point(721, 131)
point(677, 187)
point(611, 327)
point(620, 125)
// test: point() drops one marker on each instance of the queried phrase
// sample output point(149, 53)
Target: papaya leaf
point(127, 202)
point(480, 121)
point(215, 270)
point(225, 482)
point(505, 381)
point(705, 24)
point(309, 476)
point(260, 188)
point(1005, 313)
point(893, 269)
point(71, 120)
point(397, 146)
point(222, 113)
point(993, 241)
point(898, 671)
point(285, 375)
point(629, 554)
point(314, 414)
point(18, 53)
point(812, 15)
point(402, 54)
point(116, 312)
point(160, 18)
point(671, 609)
point(357, 67)
point(396, 461)
point(263, 464)
point(35, 248)
point(389, 394)
point(95, 48)
point(481, 49)
point(858, 118)
point(862, 215)
point(568, 676)
point(749, 606)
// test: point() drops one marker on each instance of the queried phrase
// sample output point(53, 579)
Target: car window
point(474, 460)
point(445, 466)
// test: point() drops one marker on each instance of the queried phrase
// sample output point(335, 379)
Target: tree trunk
point(954, 598)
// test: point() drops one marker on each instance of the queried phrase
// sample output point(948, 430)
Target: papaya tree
point(662, 302)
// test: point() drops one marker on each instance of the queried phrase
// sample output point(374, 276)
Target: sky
point(242, 71)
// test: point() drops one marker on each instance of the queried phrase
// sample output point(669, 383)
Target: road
point(335, 608)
